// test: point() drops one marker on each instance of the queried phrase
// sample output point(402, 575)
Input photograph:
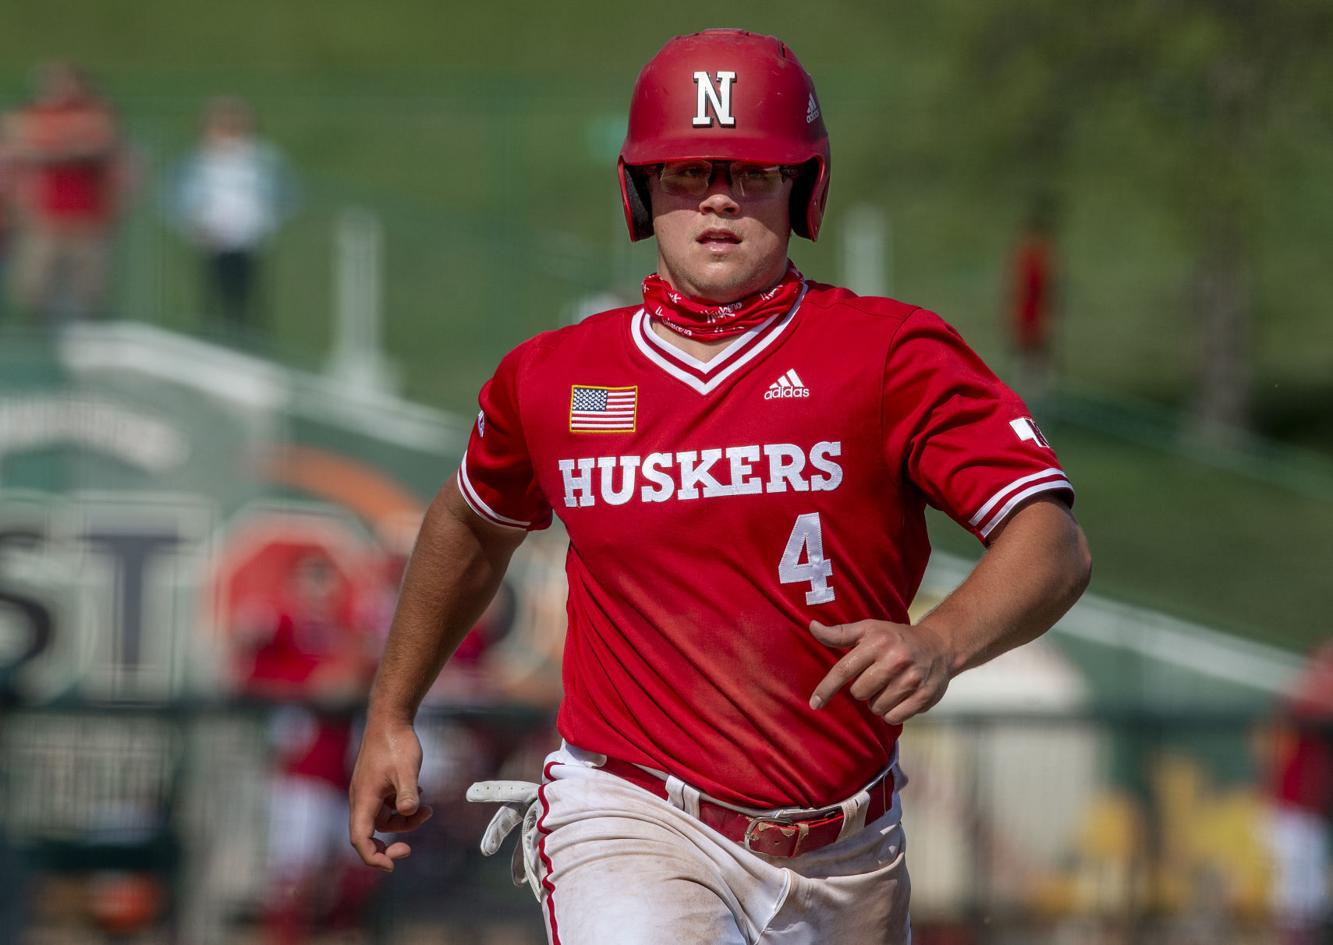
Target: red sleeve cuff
point(483, 508)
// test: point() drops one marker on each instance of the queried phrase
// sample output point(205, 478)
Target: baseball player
point(742, 462)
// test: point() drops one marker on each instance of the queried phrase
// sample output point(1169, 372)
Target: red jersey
point(714, 509)
point(1032, 291)
point(311, 744)
point(1305, 769)
point(74, 190)
point(1305, 758)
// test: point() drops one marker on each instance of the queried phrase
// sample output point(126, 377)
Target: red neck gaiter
point(697, 320)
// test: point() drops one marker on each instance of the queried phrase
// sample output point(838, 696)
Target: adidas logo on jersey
point(788, 385)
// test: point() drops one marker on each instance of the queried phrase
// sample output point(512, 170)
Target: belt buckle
point(802, 829)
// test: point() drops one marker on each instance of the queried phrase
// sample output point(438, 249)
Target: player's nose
point(719, 199)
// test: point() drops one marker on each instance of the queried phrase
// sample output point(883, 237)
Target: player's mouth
point(717, 238)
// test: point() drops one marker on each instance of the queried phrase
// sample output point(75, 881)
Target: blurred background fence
point(189, 483)
point(1104, 826)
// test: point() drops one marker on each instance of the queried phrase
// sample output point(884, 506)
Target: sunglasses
point(695, 178)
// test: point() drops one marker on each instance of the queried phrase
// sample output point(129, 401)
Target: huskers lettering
point(701, 474)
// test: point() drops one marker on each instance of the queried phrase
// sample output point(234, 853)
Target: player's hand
point(901, 671)
point(384, 796)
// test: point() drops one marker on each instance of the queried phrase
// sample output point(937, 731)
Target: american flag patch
point(603, 409)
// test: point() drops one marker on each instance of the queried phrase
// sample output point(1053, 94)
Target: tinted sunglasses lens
point(686, 179)
point(693, 178)
point(750, 180)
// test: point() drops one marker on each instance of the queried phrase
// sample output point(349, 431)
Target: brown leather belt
point(784, 837)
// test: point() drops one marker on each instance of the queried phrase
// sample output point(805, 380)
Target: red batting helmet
point(726, 95)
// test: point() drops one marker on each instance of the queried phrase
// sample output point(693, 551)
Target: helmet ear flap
point(808, 193)
point(637, 201)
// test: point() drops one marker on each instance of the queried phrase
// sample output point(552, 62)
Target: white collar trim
point(739, 353)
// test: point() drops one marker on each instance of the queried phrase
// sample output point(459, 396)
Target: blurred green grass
point(484, 136)
point(1204, 542)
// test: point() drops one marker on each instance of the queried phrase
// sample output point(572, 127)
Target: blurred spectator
point(69, 175)
point(1032, 301)
point(230, 195)
point(312, 654)
point(1303, 807)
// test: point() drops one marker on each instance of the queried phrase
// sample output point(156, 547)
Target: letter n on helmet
point(726, 95)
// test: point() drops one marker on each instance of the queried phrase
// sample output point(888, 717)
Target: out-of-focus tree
point(1210, 88)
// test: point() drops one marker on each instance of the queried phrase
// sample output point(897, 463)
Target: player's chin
point(721, 277)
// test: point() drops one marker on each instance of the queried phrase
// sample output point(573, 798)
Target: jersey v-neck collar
point(705, 376)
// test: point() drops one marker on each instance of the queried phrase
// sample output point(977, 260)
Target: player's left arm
point(1036, 566)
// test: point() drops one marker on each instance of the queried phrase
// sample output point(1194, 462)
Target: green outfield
point(1227, 547)
point(484, 137)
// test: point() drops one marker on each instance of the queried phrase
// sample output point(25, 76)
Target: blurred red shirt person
point(1032, 290)
point(70, 173)
point(313, 655)
point(1032, 301)
point(1303, 805)
point(308, 653)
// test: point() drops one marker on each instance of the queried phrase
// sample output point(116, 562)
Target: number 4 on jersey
point(807, 540)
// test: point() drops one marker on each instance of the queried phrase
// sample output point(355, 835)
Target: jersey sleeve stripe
point(479, 505)
point(998, 497)
point(1062, 483)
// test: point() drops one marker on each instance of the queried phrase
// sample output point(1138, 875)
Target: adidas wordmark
point(788, 385)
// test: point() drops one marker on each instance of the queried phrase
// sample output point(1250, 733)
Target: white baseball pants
point(617, 864)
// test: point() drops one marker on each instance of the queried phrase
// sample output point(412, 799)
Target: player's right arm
point(455, 569)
